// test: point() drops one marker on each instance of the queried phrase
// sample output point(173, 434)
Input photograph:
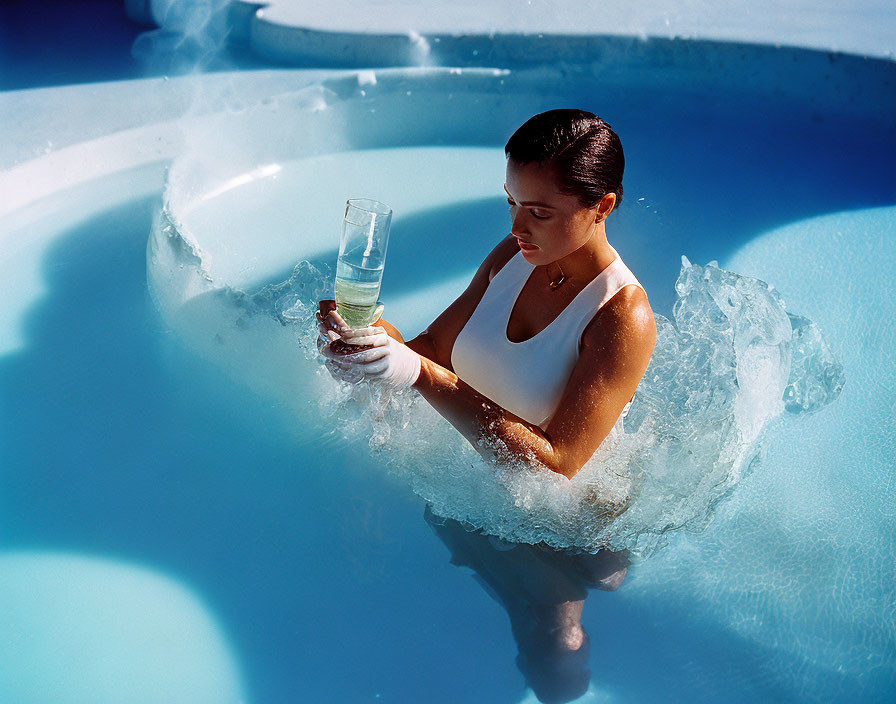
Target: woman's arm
point(616, 349)
point(471, 413)
point(480, 420)
point(436, 342)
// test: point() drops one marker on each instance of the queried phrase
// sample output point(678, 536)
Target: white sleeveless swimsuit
point(528, 378)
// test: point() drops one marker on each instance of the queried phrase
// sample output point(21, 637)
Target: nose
point(518, 223)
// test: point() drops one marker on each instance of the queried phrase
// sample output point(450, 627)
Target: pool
point(161, 485)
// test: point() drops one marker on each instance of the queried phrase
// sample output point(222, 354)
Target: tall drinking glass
point(362, 258)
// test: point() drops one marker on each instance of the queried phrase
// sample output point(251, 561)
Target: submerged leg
point(544, 601)
point(561, 624)
point(553, 652)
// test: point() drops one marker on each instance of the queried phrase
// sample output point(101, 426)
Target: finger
point(377, 368)
point(365, 356)
point(327, 351)
point(326, 323)
point(324, 330)
point(337, 319)
point(366, 331)
point(371, 340)
point(327, 335)
point(366, 336)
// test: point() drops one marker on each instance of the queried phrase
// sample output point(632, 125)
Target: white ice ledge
point(454, 32)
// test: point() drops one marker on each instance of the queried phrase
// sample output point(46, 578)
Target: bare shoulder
point(501, 254)
point(625, 322)
point(615, 352)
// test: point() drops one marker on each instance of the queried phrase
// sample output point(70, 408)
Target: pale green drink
point(357, 292)
point(362, 258)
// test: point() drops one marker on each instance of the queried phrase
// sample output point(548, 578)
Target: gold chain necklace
point(558, 282)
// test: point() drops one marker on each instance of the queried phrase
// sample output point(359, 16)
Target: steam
point(191, 37)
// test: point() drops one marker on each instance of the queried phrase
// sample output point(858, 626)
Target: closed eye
point(535, 214)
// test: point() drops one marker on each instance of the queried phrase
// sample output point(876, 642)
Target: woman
point(542, 352)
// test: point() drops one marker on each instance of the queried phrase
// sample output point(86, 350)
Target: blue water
point(44, 43)
point(146, 499)
point(132, 451)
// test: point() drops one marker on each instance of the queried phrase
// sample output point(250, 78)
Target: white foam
point(717, 377)
point(799, 561)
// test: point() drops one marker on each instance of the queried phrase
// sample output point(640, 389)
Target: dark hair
point(583, 150)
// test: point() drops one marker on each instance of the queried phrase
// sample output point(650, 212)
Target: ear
point(605, 207)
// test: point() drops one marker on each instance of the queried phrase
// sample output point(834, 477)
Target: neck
point(586, 262)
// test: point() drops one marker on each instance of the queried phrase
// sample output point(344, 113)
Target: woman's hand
point(328, 322)
point(385, 361)
point(380, 358)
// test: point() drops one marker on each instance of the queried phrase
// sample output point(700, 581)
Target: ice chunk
point(366, 78)
point(717, 377)
point(816, 378)
point(720, 372)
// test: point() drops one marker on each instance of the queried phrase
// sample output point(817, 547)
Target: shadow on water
point(120, 443)
point(699, 185)
point(46, 43)
point(117, 443)
point(52, 43)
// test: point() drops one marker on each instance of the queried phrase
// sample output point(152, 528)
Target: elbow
point(563, 466)
point(552, 457)
point(563, 472)
point(567, 471)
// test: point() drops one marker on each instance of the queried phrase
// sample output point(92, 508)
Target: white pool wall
point(43, 127)
point(471, 32)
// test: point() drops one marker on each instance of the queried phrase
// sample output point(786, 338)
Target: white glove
point(389, 363)
point(338, 370)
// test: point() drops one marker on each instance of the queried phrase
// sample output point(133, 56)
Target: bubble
point(720, 372)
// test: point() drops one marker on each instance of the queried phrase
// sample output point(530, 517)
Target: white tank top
point(528, 378)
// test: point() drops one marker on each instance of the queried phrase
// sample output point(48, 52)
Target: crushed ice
point(731, 360)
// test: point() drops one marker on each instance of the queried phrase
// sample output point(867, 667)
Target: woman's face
point(548, 225)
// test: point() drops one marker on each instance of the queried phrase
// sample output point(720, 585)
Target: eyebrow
point(536, 203)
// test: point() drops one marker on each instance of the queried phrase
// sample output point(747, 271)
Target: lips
point(525, 245)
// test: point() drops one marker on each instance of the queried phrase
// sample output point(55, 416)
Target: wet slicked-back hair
point(583, 150)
